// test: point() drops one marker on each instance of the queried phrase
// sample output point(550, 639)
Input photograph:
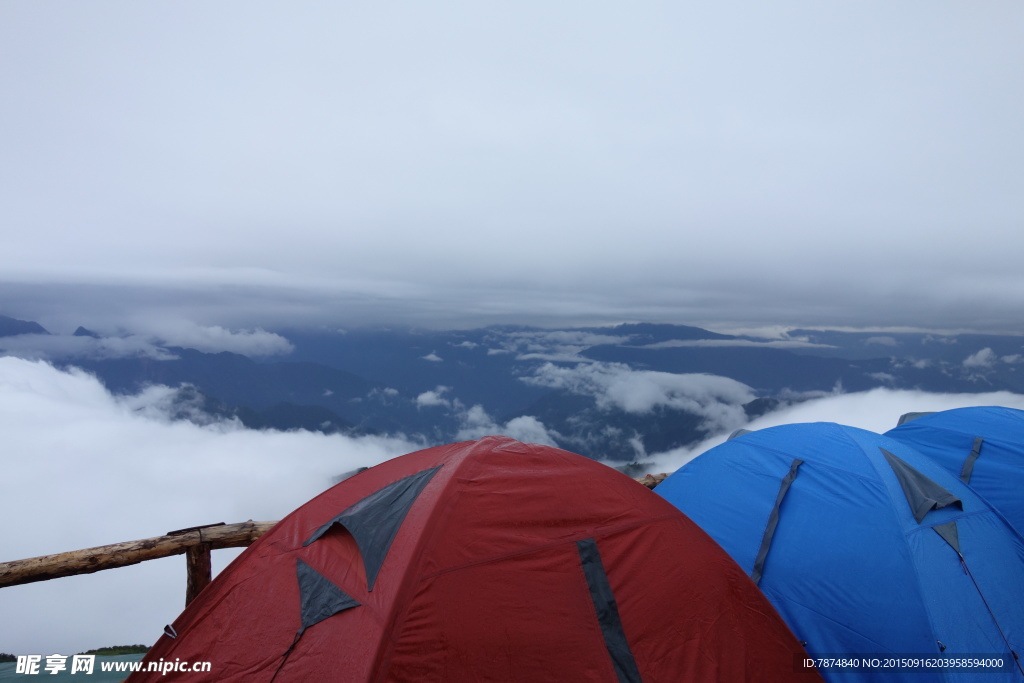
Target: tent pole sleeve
point(773, 521)
point(607, 612)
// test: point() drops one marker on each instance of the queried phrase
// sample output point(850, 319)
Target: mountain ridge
point(615, 392)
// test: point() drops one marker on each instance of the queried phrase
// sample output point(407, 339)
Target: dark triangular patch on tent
point(949, 535)
point(923, 495)
point(374, 521)
point(319, 597)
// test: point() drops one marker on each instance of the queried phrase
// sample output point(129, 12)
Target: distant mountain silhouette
point(12, 326)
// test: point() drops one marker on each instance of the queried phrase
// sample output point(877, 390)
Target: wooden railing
point(194, 542)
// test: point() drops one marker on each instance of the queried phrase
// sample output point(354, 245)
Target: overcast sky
point(255, 163)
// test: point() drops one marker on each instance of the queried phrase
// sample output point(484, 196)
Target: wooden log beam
point(116, 555)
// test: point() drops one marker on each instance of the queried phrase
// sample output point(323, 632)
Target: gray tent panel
point(738, 432)
point(922, 494)
point(374, 521)
point(773, 521)
point(968, 468)
point(319, 596)
point(910, 417)
point(607, 612)
point(949, 535)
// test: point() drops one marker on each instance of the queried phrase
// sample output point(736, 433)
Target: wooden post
point(197, 562)
point(131, 552)
point(200, 572)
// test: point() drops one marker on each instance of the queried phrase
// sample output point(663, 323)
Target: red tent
point(490, 560)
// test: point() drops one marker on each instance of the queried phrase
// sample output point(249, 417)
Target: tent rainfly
point(982, 446)
point(489, 560)
point(865, 547)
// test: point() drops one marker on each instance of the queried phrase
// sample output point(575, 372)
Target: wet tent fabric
point(862, 544)
point(491, 560)
point(982, 446)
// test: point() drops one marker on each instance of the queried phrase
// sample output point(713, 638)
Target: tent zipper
point(967, 570)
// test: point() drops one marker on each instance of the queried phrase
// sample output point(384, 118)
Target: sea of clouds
point(86, 468)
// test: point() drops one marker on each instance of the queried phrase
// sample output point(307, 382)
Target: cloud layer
point(84, 468)
point(877, 410)
point(147, 340)
point(719, 400)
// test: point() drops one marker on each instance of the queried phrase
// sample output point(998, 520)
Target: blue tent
point(983, 446)
point(864, 546)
